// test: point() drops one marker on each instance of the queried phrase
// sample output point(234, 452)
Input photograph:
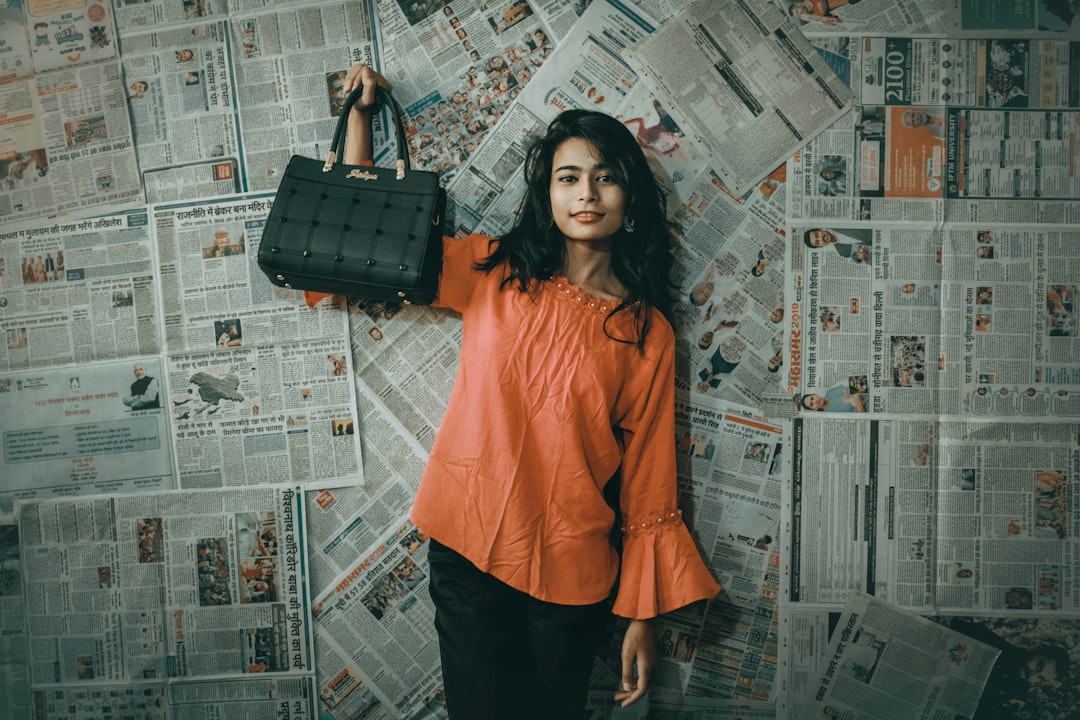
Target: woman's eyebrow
point(575, 168)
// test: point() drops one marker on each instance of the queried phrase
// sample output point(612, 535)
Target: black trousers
point(507, 655)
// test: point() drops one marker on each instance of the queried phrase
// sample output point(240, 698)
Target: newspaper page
point(214, 293)
point(911, 89)
point(135, 16)
point(804, 634)
point(970, 320)
point(180, 92)
point(377, 620)
point(78, 291)
point(14, 653)
point(733, 109)
point(83, 430)
point(195, 585)
point(732, 316)
point(66, 145)
point(406, 359)
point(884, 663)
point(265, 414)
point(869, 17)
point(455, 69)
point(933, 515)
point(1013, 690)
point(1031, 675)
point(342, 694)
point(730, 464)
point(346, 521)
point(1010, 18)
point(290, 61)
point(272, 697)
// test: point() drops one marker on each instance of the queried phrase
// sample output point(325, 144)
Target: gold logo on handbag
point(361, 175)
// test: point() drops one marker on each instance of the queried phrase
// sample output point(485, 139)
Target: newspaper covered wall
point(193, 585)
point(949, 178)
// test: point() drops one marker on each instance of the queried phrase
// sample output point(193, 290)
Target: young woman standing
point(564, 398)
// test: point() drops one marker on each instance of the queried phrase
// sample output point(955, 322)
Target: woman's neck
point(590, 269)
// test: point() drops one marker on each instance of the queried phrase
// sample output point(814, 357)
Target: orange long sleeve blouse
point(545, 410)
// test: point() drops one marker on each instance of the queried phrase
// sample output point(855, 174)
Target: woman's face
point(587, 202)
point(814, 402)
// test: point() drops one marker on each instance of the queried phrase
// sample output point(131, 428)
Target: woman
point(564, 397)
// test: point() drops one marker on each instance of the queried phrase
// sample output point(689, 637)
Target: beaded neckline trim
point(566, 290)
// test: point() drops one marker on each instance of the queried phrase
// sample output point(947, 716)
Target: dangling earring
point(628, 224)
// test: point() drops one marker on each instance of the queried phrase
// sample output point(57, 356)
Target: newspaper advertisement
point(1013, 17)
point(816, 18)
point(215, 295)
point(290, 64)
point(994, 73)
point(14, 653)
point(69, 33)
point(180, 92)
point(732, 109)
point(455, 70)
point(82, 430)
point(933, 515)
point(969, 320)
point(377, 620)
point(265, 414)
point(885, 663)
point(197, 585)
point(78, 291)
point(937, 163)
point(913, 152)
point(66, 145)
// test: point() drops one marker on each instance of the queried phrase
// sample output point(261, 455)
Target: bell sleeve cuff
point(662, 569)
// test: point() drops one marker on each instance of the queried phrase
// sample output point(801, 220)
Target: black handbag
point(356, 230)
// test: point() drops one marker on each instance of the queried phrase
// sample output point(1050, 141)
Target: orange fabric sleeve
point(662, 569)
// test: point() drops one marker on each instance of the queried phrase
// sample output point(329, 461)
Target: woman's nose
point(588, 189)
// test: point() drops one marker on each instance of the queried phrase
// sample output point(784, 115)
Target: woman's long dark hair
point(534, 249)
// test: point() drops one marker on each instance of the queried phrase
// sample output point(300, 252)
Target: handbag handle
point(382, 95)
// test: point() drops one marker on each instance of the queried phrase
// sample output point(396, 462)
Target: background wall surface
point(205, 483)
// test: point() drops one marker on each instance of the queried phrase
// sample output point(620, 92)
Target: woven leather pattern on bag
point(360, 231)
